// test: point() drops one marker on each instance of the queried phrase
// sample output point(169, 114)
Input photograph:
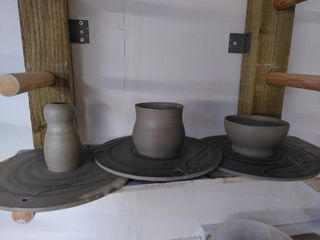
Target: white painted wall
point(15, 125)
point(155, 50)
point(302, 107)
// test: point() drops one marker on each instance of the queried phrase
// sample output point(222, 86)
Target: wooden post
point(271, 37)
point(46, 46)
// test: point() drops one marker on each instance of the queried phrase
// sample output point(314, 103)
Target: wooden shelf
point(304, 81)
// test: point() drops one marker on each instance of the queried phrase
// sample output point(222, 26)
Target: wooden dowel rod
point(304, 81)
point(15, 83)
point(283, 4)
point(22, 217)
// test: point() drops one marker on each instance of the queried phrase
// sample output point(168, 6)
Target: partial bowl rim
point(256, 121)
point(159, 105)
point(250, 225)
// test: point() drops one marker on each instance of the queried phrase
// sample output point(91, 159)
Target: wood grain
point(271, 38)
point(304, 81)
point(282, 4)
point(17, 83)
point(46, 46)
point(22, 217)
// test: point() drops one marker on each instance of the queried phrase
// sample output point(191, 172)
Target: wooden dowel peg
point(311, 82)
point(15, 83)
point(283, 4)
point(22, 217)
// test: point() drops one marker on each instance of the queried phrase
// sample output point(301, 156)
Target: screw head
point(82, 40)
point(80, 23)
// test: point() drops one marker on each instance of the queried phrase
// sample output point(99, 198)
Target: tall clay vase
point(62, 146)
point(158, 131)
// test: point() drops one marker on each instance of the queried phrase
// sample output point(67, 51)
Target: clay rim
point(252, 227)
point(159, 106)
point(256, 121)
point(214, 159)
point(59, 103)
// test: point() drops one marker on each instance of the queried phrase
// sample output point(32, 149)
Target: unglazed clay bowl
point(255, 135)
point(158, 131)
point(242, 229)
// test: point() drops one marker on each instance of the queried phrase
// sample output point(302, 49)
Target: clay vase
point(158, 131)
point(62, 146)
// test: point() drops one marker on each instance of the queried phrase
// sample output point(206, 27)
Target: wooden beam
point(46, 46)
point(311, 82)
point(271, 38)
point(283, 4)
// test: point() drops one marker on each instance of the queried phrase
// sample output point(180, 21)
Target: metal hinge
point(240, 42)
point(79, 31)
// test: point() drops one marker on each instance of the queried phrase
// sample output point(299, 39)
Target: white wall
point(302, 107)
point(15, 125)
point(155, 50)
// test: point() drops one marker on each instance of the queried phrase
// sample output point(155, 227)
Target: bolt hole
point(179, 171)
point(81, 23)
point(24, 199)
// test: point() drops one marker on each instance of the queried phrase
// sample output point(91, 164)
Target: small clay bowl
point(255, 135)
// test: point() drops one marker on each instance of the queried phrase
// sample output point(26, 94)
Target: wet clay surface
point(26, 184)
point(120, 157)
point(294, 159)
point(309, 236)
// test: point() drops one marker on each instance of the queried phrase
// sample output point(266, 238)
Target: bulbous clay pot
point(158, 131)
point(254, 135)
point(62, 146)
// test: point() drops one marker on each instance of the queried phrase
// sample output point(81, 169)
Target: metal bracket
point(240, 42)
point(79, 31)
